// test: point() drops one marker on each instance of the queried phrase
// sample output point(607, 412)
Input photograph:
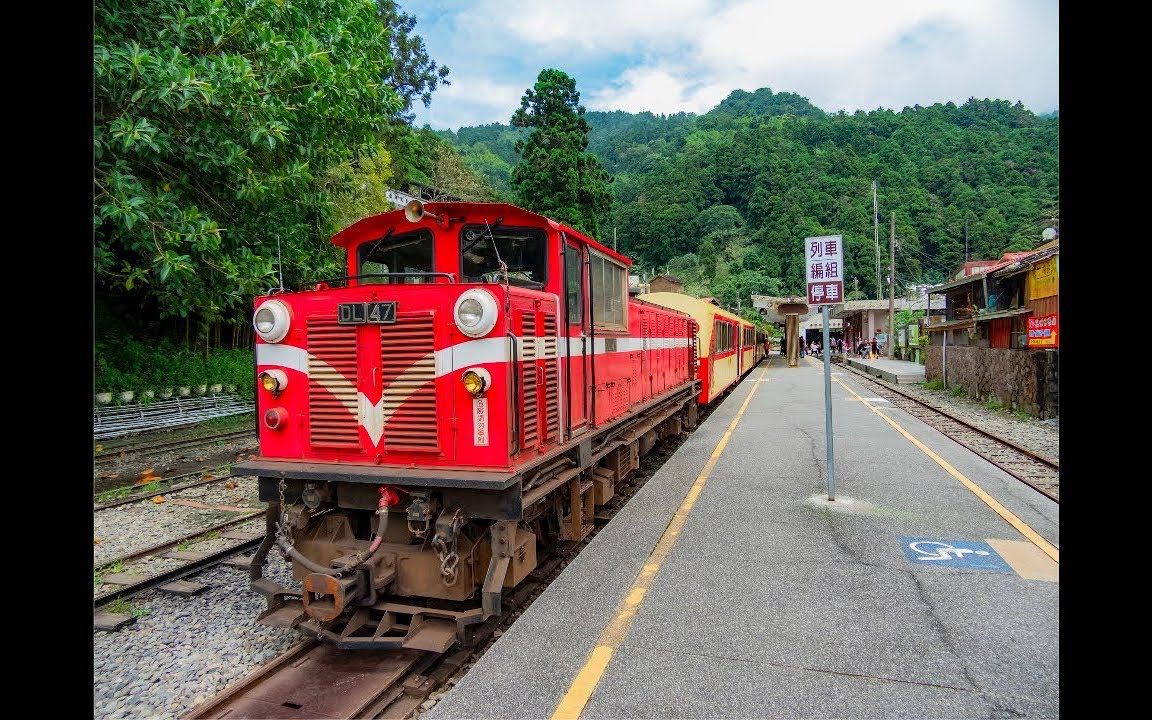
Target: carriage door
point(575, 345)
point(739, 333)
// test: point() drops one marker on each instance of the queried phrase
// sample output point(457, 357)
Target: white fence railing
point(116, 420)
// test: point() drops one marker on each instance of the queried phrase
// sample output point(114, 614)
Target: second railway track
point(111, 454)
point(1035, 470)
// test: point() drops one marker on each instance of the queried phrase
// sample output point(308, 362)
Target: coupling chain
point(284, 511)
point(446, 550)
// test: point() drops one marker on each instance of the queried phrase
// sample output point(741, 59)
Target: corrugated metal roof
point(1024, 264)
point(1012, 265)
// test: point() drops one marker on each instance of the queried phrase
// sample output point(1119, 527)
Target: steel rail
point(169, 544)
point(97, 507)
point(185, 570)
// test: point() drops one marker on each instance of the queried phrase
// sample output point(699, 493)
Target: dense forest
point(725, 199)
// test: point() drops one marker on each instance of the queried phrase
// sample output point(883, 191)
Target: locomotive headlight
point(271, 321)
point(274, 381)
point(471, 312)
point(476, 381)
point(475, 312)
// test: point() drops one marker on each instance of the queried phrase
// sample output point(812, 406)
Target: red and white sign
point(825, 269)
point(1044, 331)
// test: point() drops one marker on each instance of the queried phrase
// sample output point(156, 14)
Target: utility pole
point(965, 239)
point(876, 236)
point(613, 238)
point(892, 289)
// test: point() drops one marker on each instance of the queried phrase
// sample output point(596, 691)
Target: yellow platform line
point(589, 676)
point(1033, 536)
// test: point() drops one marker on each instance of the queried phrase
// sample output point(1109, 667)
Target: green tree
point(414, 74)
point(556, 177)
point(215, 124)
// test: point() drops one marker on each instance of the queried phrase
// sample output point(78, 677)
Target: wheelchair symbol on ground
point(966, 554)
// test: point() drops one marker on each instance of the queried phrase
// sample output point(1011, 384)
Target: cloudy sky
point(668, 56)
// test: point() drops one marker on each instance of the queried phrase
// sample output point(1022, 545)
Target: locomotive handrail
point(451, 276)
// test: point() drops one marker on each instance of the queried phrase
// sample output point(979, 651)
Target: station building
point(999, 334)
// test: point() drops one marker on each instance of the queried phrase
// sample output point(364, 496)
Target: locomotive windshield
point(407, 253)
point(523, 251)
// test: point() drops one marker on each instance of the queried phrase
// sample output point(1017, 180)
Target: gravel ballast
point(124, 529)
point(183, 651)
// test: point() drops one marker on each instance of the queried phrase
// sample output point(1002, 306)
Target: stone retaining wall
point(1027, 380)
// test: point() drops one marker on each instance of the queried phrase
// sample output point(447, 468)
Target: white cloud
point(604, 25)
point(656, 89)
point(687, 55)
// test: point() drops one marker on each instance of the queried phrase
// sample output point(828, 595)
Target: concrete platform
point(772, 602)
point(897, 371)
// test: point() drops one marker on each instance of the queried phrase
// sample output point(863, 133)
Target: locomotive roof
point(370, 227)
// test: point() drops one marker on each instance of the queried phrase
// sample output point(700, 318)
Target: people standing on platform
point(875, 347)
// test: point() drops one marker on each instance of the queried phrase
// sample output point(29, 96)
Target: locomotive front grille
point(408, 365)
point(332, 383)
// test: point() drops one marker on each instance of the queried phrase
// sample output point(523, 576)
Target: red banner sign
point(825, 293)
point(1044, 331)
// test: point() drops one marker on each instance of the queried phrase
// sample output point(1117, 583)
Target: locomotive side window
point(574, 283)
point(609, 292)
point(407, 253)
point(522, 250)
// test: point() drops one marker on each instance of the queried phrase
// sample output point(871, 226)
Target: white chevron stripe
point(472, 352)
point(632, 344)
point(332, 381)
point(475, 352)
point(288, 356)
point(375, 416)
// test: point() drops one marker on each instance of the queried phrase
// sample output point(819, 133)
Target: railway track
point(314, 680)
point(1033, 469)
point(124, 585)
point(111, 454)
point(168, 487)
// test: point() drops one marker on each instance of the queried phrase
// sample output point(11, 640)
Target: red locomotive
point(476, 384)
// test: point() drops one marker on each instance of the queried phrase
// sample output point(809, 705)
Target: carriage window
point(573, 283)
point(407, 253)
point(609, 292)
point(723, 341)
point(523, 251)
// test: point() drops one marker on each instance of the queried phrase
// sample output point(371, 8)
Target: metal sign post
point(831, 479)
point(826, 287)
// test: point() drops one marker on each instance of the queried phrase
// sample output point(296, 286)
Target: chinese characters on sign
point(825, 269)
point(1043, 332)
